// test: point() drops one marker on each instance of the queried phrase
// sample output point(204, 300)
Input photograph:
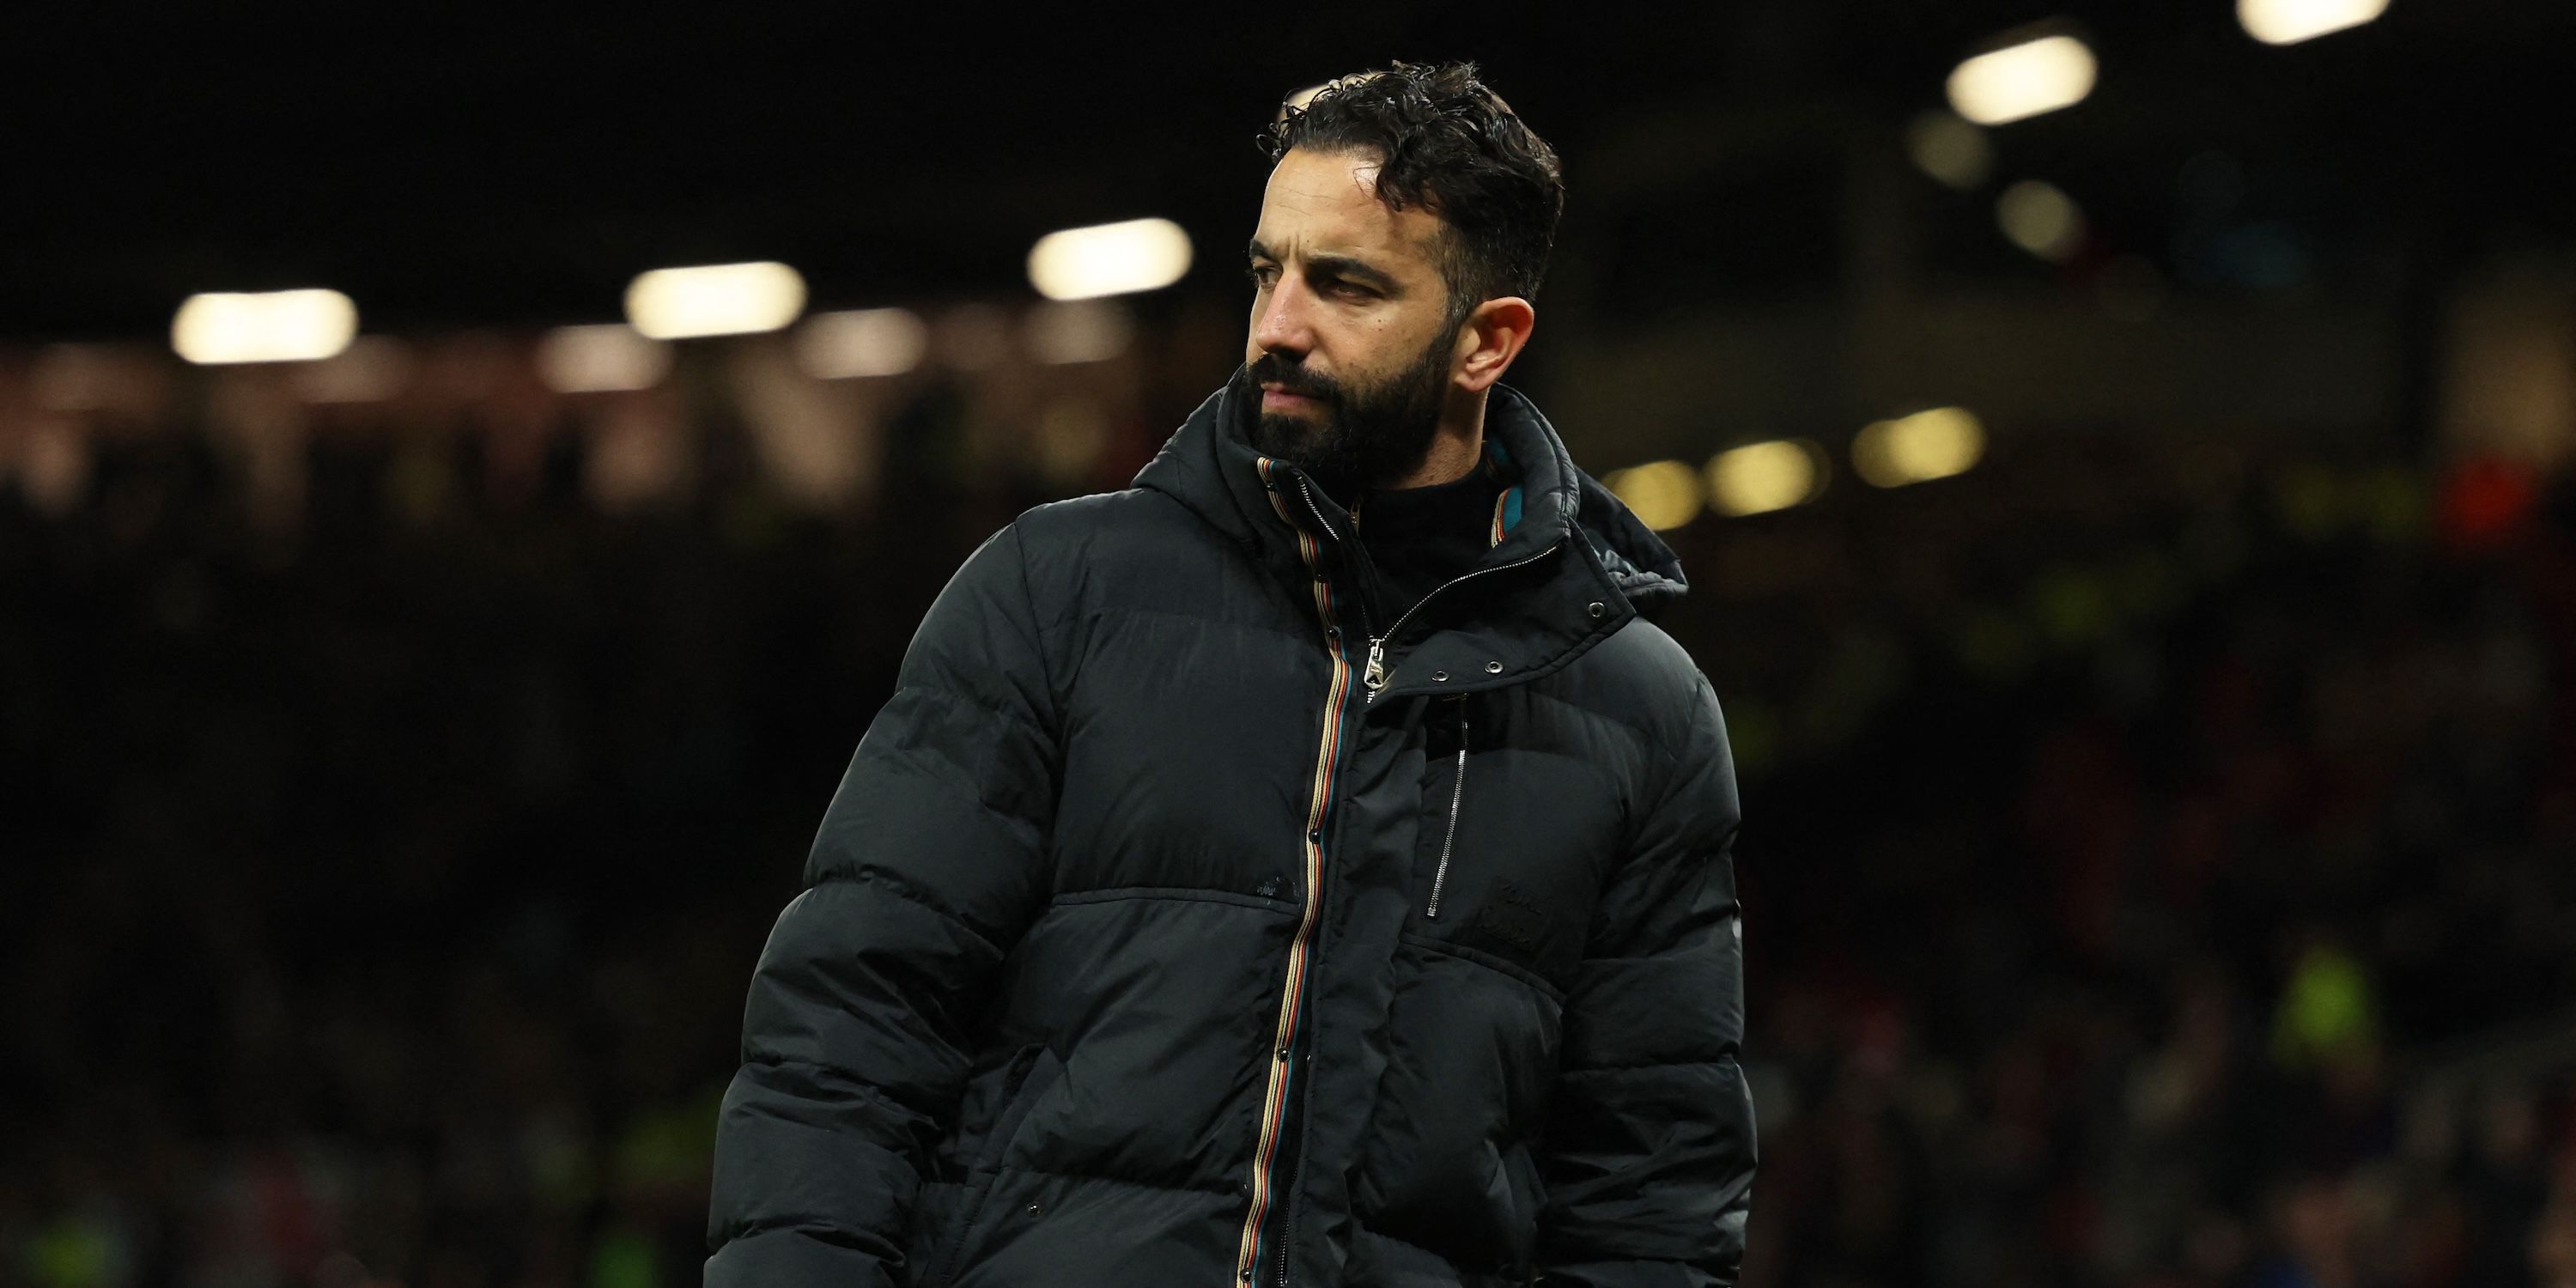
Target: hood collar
point(1585, 549)
point(1210, 466)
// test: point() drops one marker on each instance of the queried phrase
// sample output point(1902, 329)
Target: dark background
point(2158, 839)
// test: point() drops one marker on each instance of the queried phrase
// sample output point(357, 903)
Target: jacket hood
point(1638, 561)
point(1210, 466)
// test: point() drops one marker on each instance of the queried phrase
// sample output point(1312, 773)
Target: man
point(1302, 868)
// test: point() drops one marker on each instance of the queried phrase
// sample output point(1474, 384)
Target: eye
point(1261, 274)
point(1351, 290)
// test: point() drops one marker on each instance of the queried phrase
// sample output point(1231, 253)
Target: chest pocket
point(1514, 839)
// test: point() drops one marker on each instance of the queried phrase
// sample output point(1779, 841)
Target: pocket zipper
point(1457, 793)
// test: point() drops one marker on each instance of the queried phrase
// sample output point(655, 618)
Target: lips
point(1282, 385)
point(1273, 395)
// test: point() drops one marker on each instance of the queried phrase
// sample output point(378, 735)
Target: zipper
point(1286, 1237)
point(1327, 757)
point(1457, 793)
point(1366, 623)
point(1275, 1103)
point(1374, 677)
point(1469, 575)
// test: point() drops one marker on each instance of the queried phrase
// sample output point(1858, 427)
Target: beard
point(1357, 435)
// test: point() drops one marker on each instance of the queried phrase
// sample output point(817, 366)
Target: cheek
point(1370, 343)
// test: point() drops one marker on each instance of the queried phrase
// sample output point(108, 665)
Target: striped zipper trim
point(1327, 753)
point(1507, 507)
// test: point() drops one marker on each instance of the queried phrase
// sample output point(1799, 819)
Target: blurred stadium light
point(2040, 218)
point(1761, 477)
point(271, 326)
point(1109, 259)
point(2023, 80)
point(715, 299)
point(1911, 449)
point(861, 342)
point(600, 359)
point(2287, 22)
point(1949, 149)
point(1664, 494)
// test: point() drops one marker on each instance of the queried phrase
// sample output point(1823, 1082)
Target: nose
point(1279, 322)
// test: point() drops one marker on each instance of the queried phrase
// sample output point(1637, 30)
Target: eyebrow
point(1344, 265)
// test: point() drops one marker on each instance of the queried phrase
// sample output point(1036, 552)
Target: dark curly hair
point(1444, 142)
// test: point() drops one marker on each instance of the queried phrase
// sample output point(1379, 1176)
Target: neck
point(1456, 445)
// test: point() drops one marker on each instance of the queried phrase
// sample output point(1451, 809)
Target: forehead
point(1326, 203)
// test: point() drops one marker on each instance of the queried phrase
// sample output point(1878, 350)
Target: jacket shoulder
point(1644, 677)
point(1101, 514)
point(1136, 538)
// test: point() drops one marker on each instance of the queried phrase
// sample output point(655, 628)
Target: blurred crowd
point(2156, 858)
point(2199, 911)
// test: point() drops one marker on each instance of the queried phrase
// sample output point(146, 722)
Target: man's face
point(1350, 345)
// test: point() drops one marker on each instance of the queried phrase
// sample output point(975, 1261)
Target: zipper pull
point(1375, 676)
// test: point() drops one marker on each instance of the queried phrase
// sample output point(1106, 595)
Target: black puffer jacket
point(1146, 945)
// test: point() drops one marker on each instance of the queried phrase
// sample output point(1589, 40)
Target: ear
point(1489, 339)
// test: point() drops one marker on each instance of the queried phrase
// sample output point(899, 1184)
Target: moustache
point(1269, 370)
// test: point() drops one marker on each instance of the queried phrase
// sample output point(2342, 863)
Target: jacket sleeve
point(1649, 1148)
point(855, 1046)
